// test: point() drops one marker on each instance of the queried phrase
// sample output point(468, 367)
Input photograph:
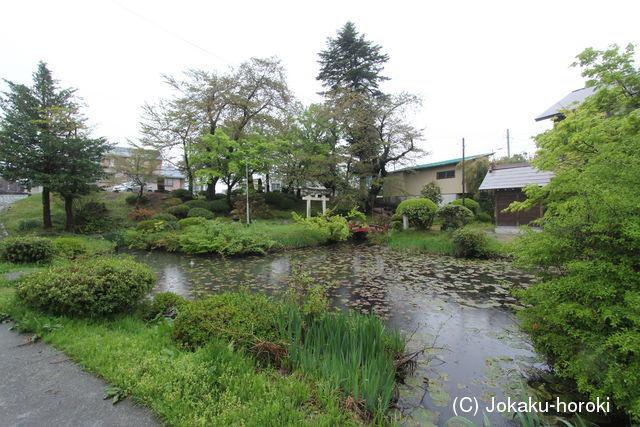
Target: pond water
point(461, 310)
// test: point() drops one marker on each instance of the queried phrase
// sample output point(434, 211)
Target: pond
point(460, 310)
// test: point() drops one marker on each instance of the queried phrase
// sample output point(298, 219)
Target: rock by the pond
point(15, 275)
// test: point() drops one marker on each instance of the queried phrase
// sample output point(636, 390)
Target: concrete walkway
point(40, 386)
point(5, 201)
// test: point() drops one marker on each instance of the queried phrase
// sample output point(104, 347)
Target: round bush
point(187, 222)
point(202, 204)
point(420, 212)
point(175, 201)
point(280, 200)
point(164, 217)
point(131, 199)
point(203, 213)
point(164, 303)
point(181, 194)
point(28, 224)
point(179, 211)
point(484, 217)
point(70, 247)
point(220, 206)
point(154, 225)
point(230, 316)
point(27, 249)
point(92, 287)
point(470, 243)
point(454, 216)
point(468, 203)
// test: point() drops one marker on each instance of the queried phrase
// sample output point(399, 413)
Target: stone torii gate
point(322, 199)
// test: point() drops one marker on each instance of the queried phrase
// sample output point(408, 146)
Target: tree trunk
point(211, 189)
point(260, 188)
point(268, 183)
point(68, 210)
point(46, 208)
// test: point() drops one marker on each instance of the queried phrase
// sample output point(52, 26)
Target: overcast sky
point(481, 67)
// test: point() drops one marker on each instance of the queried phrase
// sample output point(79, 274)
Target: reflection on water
point(461, 310)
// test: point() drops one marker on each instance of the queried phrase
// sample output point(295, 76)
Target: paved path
point(6, 200)
point(40, 386)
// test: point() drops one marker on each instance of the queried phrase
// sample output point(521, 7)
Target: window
point(446, 174)
point(168, 182)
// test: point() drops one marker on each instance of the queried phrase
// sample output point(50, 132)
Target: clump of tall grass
point(351, 351)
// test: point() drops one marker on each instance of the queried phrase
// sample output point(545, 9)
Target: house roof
point(168, 172)
point(575, 98)
point(515, 175)
point(442, 163)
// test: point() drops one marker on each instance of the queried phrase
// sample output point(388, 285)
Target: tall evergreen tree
point(352, 63)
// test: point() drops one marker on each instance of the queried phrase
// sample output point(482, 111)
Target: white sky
point(480, 66)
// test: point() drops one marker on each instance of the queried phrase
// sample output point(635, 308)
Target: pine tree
point(352, 63)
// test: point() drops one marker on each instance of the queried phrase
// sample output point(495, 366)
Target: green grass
point(289, 236)
point(437, 242)
point(214, 385)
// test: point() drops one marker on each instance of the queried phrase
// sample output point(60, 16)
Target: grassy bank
point(216, 384)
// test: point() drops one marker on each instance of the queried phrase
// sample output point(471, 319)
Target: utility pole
point(508, 145)
point(463, 188)
point(246, 163)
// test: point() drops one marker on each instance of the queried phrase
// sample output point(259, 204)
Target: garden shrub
point(164, 304)
point(175, 201)
point(198, 203)
point(168, 241)
point(69, 247)
point(200, 212)
point(181, 194)
point(396, 222)
point(239, 317)
point(154, 225)
point(164, 217)
point(28, 225)
point(132, 199)
point(179, 211)
point(257, 205)
point(27, 249)
point(454, 216)
point(91, 217)
point(468, 203)
point(432, 192)
point(91, 287)
point(470, 243)
point(224, 239)
point(420, 212)
point(483, 217)
point(220, 206)
point(187, 222)
point(141, 214)
point(334, 227)
point(280, 200)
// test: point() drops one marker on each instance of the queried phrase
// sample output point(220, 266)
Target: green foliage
point(198, 203)
point(187, 222)
point(28, 225)
point(483, 217)
point(306, 294)
point(27, 249)
point(200, 212)
point(181, 194)
point(351, 351)
point(396, 222)
point(69, 247)
point(91, 217)
point(239, 317)
point(91, 287)
point(164, 217)
point(432, 192)
point(154, 225)
point(468, 203)
point(454, 216)
point(258, 208)
point(164, 303)
point(420, 212)
point(586, 317)
point(180, 211)
point(471, 243)
point(475, 171)
point(133, 199)
point(334, 227)
point(223, 239)
point(219, 206)
point(175, 201)
point(281, 201)
point(354, 215)
point(425, 241)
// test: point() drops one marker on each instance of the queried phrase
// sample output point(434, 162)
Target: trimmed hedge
point(199, 212)
point(239, 317)
point(454, 216)
point(27, 249)
point(87, 288)
point(69, 247)
point(420, 212)
point(471, 243)
point(187, 222)
point(131, 199)
point(179, 211)
point(199, 203)
point(220, 206)
point(164, 217)
point(468, 203)
point(181, 194)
